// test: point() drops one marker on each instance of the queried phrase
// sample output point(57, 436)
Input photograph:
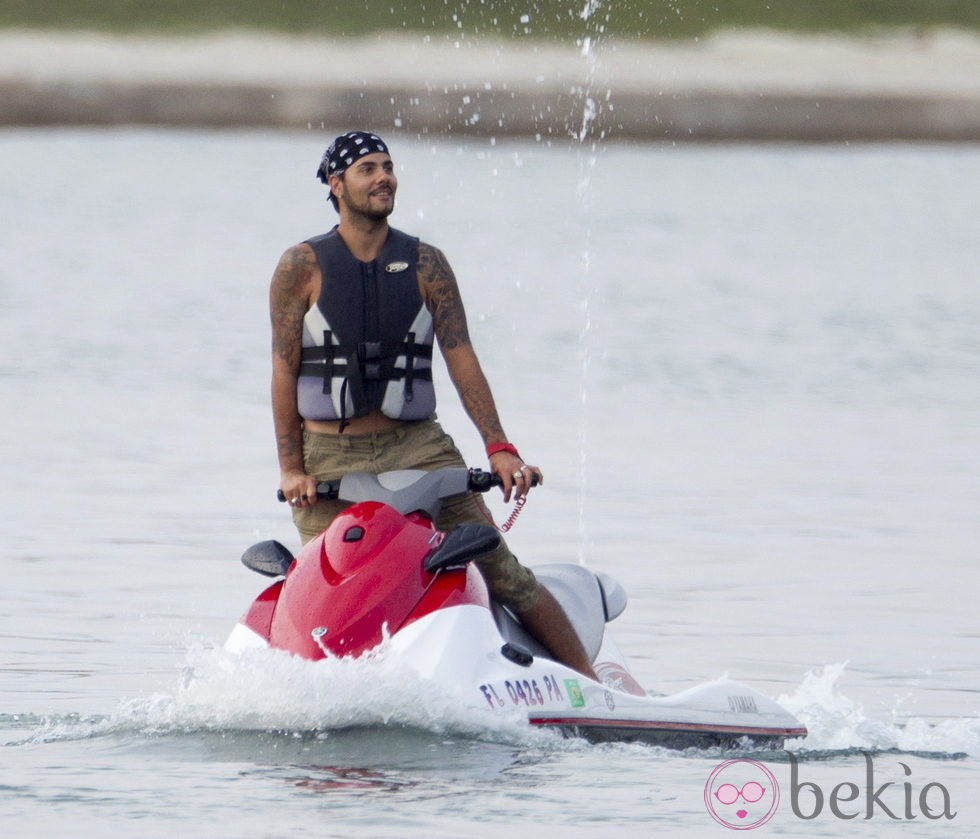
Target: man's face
point(367, 187)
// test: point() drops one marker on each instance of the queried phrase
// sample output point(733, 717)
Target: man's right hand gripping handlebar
point(298, 488)
point(515, 475)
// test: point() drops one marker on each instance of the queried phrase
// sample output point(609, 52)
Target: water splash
point(264, 690)
point(268, 691)
point(590, 110)
point(838, 724)
point(588, 140)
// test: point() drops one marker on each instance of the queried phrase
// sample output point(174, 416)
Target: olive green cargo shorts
point(413, 445)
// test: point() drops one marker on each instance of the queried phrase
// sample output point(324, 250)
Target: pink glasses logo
point(741, 794)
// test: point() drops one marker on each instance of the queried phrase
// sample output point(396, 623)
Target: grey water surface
point(751, 375)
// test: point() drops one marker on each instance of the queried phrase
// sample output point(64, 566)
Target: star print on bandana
point(347, 148)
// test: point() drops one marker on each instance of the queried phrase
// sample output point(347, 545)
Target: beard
point(367, 210)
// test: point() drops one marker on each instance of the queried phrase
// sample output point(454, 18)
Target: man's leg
point(511, 583)
point(327, 457)
point(547, 621)
point(514, 585)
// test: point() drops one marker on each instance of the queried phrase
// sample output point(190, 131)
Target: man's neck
point(364, 237)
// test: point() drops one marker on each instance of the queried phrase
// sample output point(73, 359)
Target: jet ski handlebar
point(481, 481)
point(477, 481)
point(325, 491)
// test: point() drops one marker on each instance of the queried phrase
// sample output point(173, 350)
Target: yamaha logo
point(395, 267)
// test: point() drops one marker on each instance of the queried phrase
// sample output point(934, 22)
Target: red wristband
point(493, 448)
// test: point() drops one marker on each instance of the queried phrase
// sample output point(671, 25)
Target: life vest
point(367, 342)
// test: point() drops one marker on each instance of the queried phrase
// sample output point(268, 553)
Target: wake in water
point(838, 724)
point(266, 690)
point(271, 691)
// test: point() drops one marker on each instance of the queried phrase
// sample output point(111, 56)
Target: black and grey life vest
point(367, 342)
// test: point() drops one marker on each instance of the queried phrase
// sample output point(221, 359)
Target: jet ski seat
point(590, 601)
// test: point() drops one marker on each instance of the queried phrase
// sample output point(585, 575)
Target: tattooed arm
point(293, 286)
point(441, 294)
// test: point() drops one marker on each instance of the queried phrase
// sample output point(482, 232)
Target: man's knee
point(510, 583)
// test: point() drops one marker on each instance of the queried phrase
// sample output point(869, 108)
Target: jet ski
point(382, 572)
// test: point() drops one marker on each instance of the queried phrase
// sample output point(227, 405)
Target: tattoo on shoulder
point(442, 297)
point(289, 300)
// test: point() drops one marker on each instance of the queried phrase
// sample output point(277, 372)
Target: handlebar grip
point(478, 481)
point(325, 491)
point(481, 481)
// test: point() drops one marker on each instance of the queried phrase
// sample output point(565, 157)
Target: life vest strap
point(376, 361)
point(392, 374)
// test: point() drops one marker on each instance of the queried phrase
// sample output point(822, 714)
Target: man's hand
point(515, 475)
point(299, 488)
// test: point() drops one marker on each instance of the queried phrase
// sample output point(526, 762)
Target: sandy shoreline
point(748, 85)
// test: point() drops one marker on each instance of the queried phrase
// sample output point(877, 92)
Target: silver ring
point(517, 475)
point(295, 500)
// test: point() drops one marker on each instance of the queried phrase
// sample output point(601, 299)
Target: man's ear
point(336, 184)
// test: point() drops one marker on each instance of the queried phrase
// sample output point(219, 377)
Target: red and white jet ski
point(382, 569)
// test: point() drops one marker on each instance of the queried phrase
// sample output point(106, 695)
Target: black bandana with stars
point(347, 148)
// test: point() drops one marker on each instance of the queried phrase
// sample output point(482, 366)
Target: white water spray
point(839, 724)
point(589, 153)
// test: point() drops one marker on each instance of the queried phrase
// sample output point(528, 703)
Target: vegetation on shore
point(502, 18)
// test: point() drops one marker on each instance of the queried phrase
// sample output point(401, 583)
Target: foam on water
point(269, 690)
point(837, 723)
